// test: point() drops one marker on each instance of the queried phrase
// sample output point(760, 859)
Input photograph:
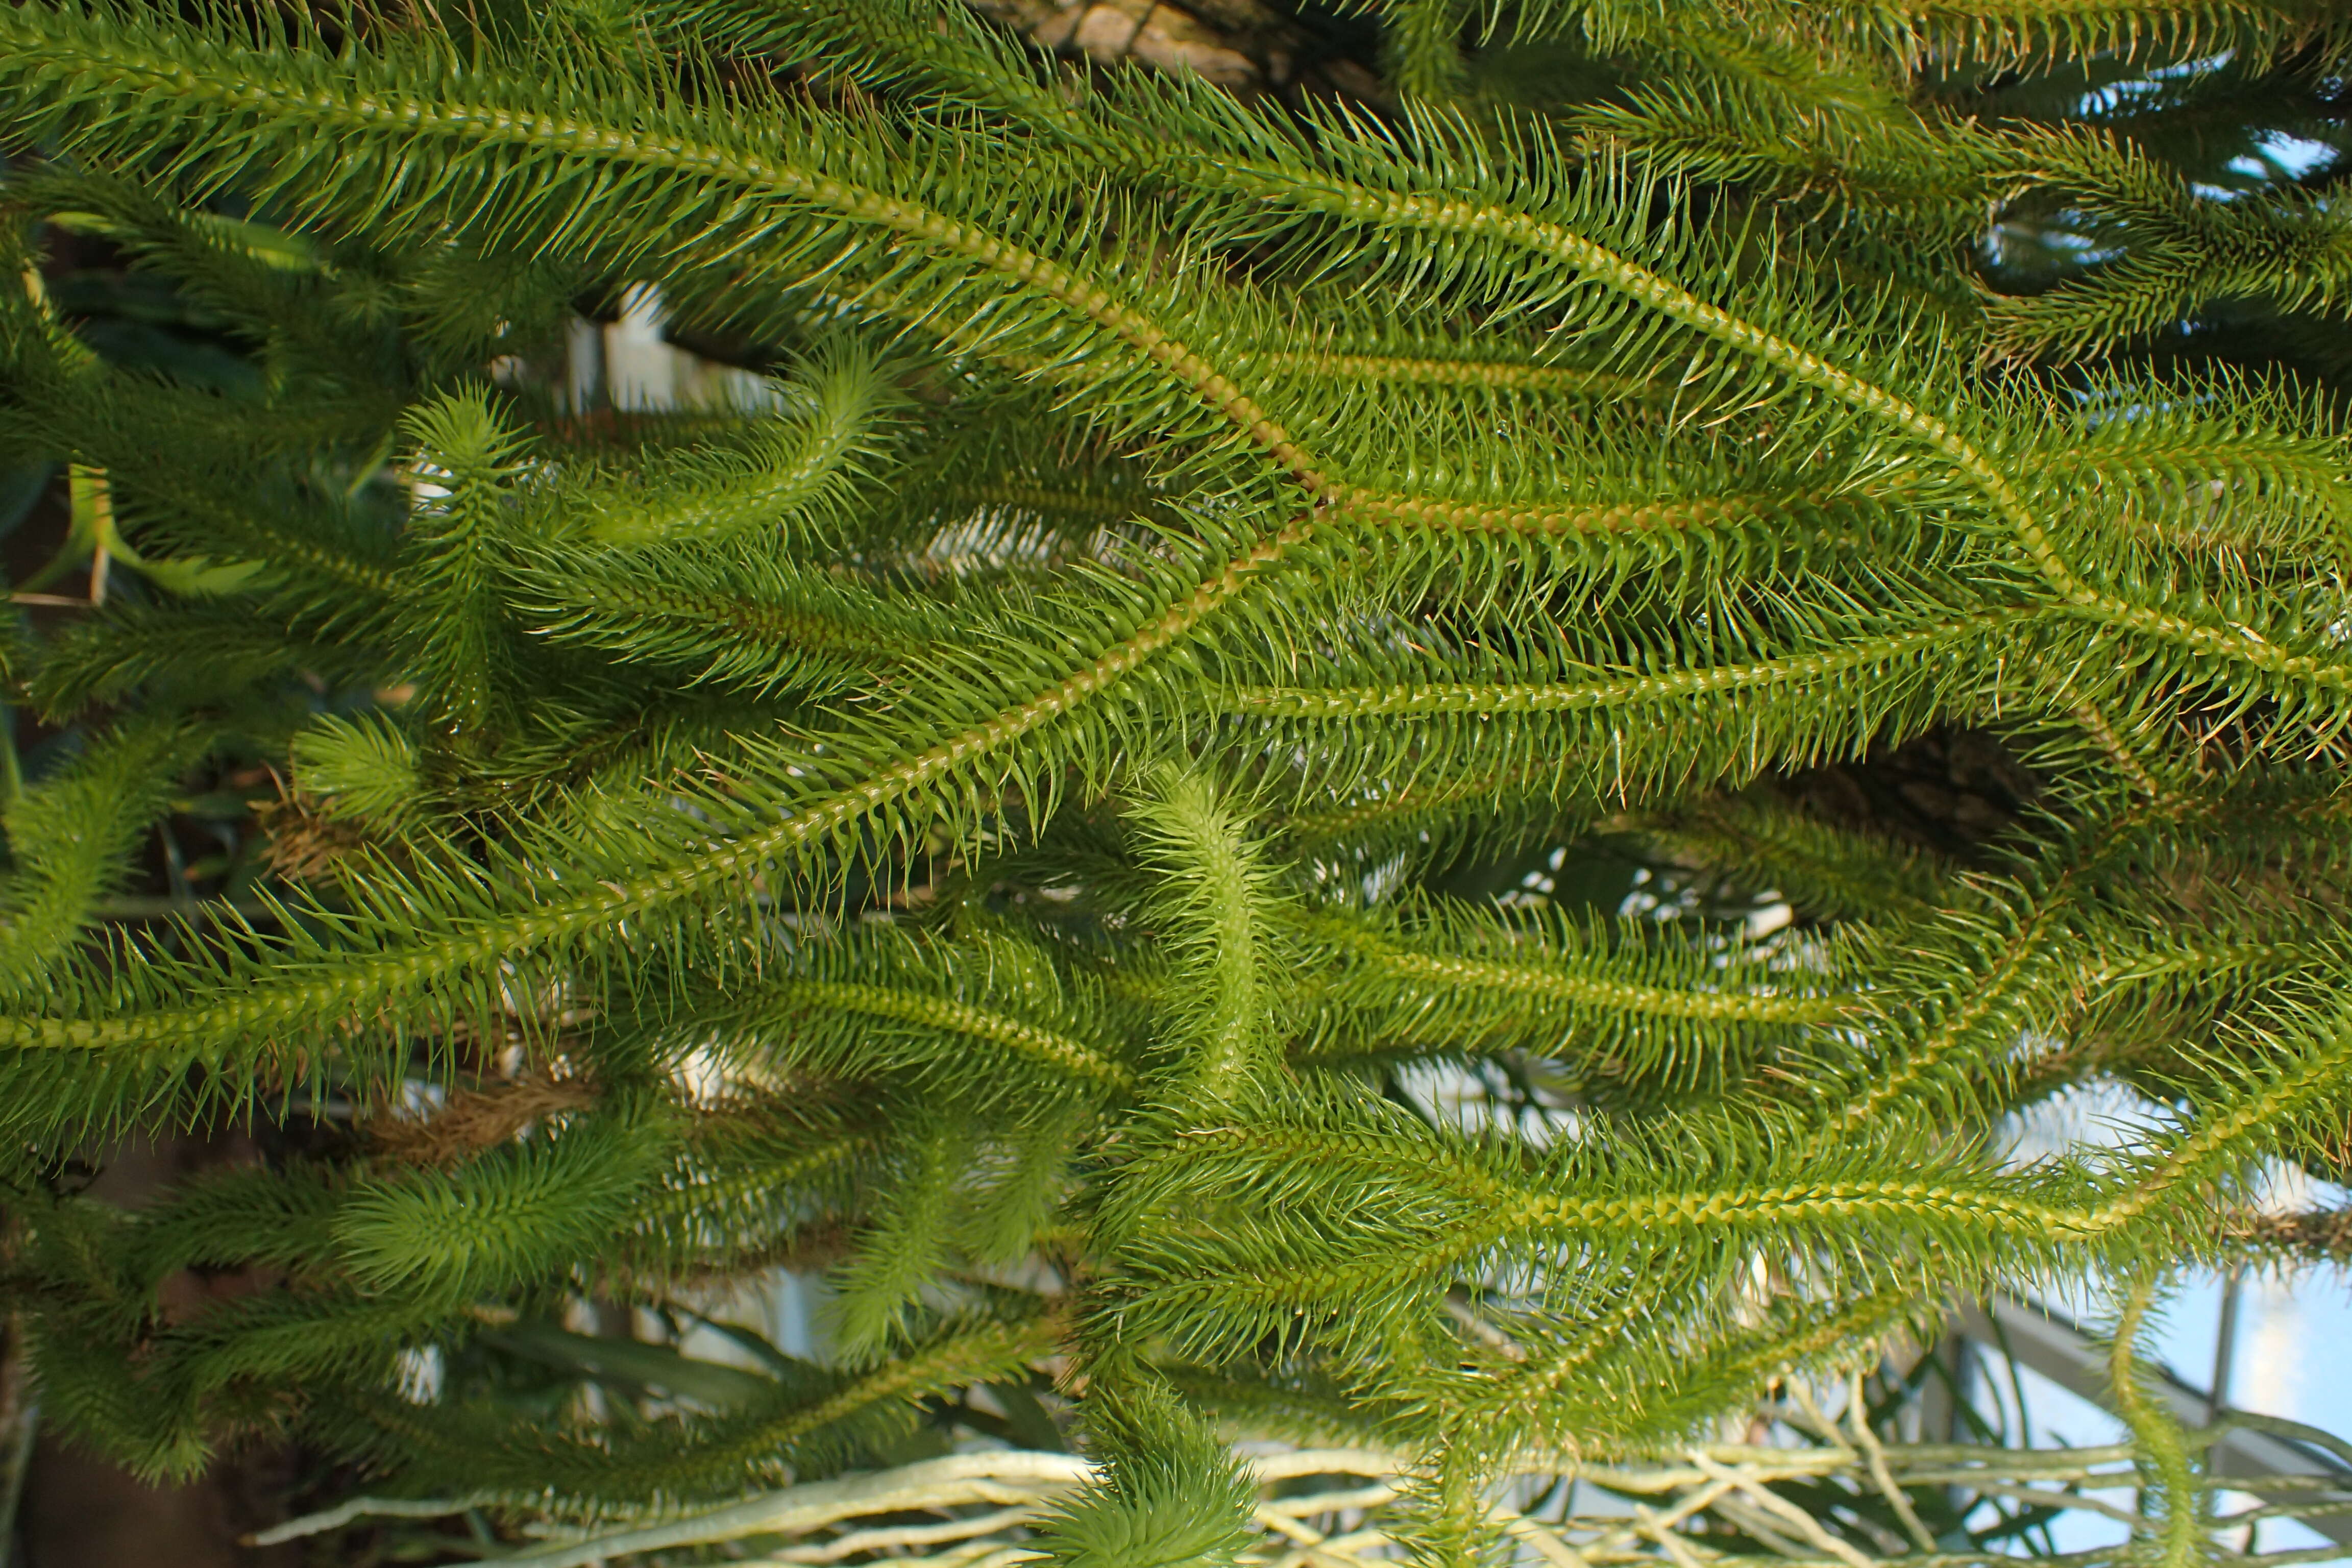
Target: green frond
point(278, 288)
point(1029, 1183)
point(365, 767)
point(1615, 1009)
point(2265, 479)
point(518, 1215)
point(1424, 41)
point(2027, 32)
point(1817, 866)
point(815, 1422)
point(1174, 1496)
point(1334, 1221)
point(221, 1379)
point(2181, 251)
point(188, 653)
point(884, 1001)
point(1214, 910)
point(908, 1241)
point(70, 837)
point(938, 52)
point(784, 473)
point(453, 625)
point(747, 618)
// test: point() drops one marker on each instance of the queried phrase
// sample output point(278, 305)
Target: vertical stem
point(2225, 1346)
point(2164, 1458)
point(1956, 1371)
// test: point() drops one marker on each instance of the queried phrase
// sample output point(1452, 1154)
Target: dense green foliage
point(976, 814)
